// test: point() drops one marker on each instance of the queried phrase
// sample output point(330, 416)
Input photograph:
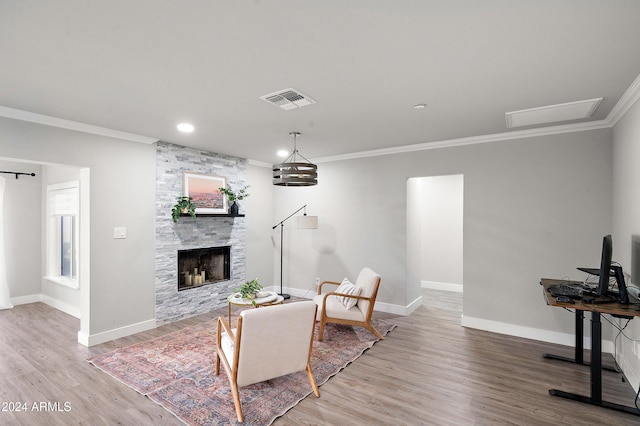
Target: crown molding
point(47, 120)
point(259, 163)
point(626, 101)
point(496, 137)
point(472, 140)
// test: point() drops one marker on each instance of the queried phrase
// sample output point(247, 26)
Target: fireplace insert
point(202, 266)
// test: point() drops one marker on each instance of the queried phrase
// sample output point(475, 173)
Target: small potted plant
point(250, 290)
point(232, 196)
point(184, 205)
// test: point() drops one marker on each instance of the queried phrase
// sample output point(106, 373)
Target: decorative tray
point(235, 297)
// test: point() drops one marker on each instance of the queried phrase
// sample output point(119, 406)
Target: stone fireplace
point(202, 266)
point(179, 297)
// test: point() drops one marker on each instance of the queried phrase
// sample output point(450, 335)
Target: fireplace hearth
point(203, 266)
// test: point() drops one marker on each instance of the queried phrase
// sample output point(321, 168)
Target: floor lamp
point(304, 222)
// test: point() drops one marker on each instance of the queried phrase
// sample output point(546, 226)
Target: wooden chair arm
point(353, 296)
point(226, 327)
point(326, 282)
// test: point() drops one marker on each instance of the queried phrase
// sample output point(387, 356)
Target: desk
point(236, 299)
point(613, 308)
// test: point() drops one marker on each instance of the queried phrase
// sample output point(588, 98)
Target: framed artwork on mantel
point(203, 189)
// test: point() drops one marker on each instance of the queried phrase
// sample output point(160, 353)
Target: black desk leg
point(596, 374)
point(579, 351)
point(596, 358)
point(578, 356)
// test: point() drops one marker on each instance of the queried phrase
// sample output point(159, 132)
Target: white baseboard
point(434, 285)
point(48, 300)
point(307, 294)
point(566, 339)
point(61, 306)
point(23, 300)
point(629, 373)
point(379, 306)
point(116, 333)
point(398, 309)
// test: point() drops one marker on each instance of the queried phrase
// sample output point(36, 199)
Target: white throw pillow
point(348, 288)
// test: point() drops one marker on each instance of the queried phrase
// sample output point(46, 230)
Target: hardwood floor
point(428, 371)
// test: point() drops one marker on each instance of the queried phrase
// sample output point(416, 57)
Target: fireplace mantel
point(213, 215)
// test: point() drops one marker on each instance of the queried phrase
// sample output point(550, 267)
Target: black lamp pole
point(281, 224)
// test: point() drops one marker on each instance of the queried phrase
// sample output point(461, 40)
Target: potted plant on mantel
point(232, 196)
point(184, 205)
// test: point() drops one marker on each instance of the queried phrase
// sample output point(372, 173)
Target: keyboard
point(572, 291)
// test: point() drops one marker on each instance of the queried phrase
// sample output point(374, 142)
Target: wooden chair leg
point(312, 381)
point(321, 331)
point(374, 331)
point(236, 401)
point(217, 363)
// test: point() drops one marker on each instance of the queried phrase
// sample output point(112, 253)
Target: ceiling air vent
point(553, 113)
point(288, 99)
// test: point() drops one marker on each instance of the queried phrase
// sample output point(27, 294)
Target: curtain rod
point(19, 173)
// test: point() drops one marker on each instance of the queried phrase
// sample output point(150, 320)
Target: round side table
point(235, 299)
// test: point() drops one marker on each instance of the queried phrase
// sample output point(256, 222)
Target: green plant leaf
point(249, 288)
point(184, 202)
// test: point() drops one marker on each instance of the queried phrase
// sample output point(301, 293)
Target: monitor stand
point(622, 294)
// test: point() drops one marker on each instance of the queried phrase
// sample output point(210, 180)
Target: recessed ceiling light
point(420, 106)
point(282, 153)
point(186, 127)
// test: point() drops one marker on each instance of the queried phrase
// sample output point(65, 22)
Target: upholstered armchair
point(268, 342)
point(349, 303)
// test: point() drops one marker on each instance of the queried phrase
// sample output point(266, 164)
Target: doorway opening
point(435, 211)
point(64, 287)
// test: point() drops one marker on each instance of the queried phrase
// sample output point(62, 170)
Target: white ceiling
point(143, 66)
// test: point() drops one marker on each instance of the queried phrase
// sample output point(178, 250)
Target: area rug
point(177, 372)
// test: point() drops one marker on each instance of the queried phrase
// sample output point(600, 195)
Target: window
point(62, 233)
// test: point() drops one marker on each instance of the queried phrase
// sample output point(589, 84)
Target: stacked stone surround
point(204, 231)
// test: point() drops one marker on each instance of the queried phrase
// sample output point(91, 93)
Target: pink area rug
point(177, 372)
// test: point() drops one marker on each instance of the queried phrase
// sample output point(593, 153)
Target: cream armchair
point(350, 304)
point(268, 342)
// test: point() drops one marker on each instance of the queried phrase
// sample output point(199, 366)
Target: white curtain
point(5, 300)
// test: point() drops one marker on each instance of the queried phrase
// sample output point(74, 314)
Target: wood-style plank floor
point(428, 371)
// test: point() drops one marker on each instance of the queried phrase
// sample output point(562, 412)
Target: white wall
point(305, 250)
point(259, 220)
point(22, 206)
point(626, 220)
point(533, 208)
point(122, 191)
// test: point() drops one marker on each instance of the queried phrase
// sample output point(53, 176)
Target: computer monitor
point(605, 266)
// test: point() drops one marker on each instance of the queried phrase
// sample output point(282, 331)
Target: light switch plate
point(119, 232)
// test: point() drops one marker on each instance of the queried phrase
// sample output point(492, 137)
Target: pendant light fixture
point(293, 171)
